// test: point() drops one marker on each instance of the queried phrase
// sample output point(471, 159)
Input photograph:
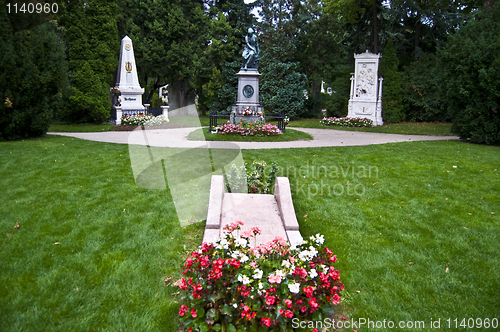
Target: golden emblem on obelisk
point(128, 66)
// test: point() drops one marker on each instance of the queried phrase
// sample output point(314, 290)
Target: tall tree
point(283, 85)
point(392, 99)
point(91, 32)
point(471, 80)
point(33, 75)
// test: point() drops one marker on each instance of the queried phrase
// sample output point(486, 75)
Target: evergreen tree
point(392, 99)
point(471, 79)
point(33, 76)
point(91, 32)
point(282, 84)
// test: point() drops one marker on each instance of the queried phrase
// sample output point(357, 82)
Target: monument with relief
point(366, 89)
point(128, 83)
point(247, 106)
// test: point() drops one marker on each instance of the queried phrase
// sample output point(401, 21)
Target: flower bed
point(257, 129)
point(228, 286)
point(347, 122)
point(144, 120)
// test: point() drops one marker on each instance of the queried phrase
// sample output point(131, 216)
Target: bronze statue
point(251, 51)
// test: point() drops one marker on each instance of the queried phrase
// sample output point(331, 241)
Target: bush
point(33, 78)
point(422, 95)
point(255, 178)
point(347, 122)
point(228, 284)
point(392, 99)
point(472, 78)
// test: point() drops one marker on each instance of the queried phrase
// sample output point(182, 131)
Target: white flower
point(261, 285)
point(235, 306)
point(313, 273)
point(320, 239)
point(294, 288)
point(258, 275)
point(280, 273)
point(241, 242)
point(244, 279)
point(235, 254)
point(223, 244)
point(286, 264)
point(244, 258)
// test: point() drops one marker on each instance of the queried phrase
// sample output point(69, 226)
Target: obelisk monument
point(128, 81)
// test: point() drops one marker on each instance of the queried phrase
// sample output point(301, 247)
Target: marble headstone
point(127, 80)
point(366, 89)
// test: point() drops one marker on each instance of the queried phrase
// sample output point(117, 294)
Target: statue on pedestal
point(251, 51)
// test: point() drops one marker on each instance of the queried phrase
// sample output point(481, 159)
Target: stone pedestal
point(128, 81)
point(366, 89)
point(164, 111)
point(118, 120)
point(248, 95)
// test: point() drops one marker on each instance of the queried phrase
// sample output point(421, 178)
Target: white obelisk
point(127, 80)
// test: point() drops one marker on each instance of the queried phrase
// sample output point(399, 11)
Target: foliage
point(33, 77)
point(93, 46)
point(250, 129)
point(423, 97)
point(282, 84)
point(228, 284)
point(347, 122)
point(392, 99)
point(239, 17)
point(256, 178)
point(472, 78)
point(144, 120)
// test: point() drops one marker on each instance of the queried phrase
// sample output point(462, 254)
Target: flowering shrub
point(228, 286)
point(347, 122)
point(255, 177)
point(144, 120)
point(250, 129)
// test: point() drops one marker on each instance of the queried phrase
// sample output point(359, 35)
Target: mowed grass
point(416, 238)
point(404, 128)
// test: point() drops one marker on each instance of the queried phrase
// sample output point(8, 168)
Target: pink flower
point(254, 265)
point(288, 303)
point(193, 313)
point(274, 279)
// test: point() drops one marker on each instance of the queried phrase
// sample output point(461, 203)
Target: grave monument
point(247, 106)
point(128, 83)
point(366, 89)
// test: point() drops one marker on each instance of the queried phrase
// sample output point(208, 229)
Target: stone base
point(366, 109)
point(235, 119)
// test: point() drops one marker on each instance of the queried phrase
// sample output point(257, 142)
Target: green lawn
point(406, 128)
point(416, 238)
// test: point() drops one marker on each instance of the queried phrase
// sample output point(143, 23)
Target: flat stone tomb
point(274, 214)
point(254, 211)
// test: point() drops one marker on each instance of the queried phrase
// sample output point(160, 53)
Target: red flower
point(288, 314)
point(265, 321)
point(309, 291)
point(183, 310)
point(193, 313)
point(183, 284)
point(270, 300)
point(288, 303)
